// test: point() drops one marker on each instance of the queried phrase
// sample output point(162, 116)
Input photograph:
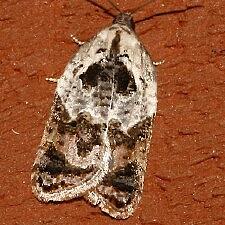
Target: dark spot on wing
point(54, 163)
point(125, 179)
point(90, 77)
point(124, 79)
point(100, 50)
point(126, 184)
point(124, 55)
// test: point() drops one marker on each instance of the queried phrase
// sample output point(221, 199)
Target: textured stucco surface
point(185, 181)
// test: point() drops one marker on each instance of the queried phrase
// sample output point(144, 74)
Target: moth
point(96, 141)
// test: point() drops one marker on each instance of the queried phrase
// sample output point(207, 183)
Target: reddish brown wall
point(185, 181)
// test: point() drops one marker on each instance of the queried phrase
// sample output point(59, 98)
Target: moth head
point(125, 19)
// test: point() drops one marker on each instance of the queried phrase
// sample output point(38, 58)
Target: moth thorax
point(125, 19)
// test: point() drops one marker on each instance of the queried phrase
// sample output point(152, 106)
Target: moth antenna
point(102, 7)
point(167, 13)
point(133, 11)
point(115, 6)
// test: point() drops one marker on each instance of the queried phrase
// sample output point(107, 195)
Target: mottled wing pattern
point(95, 142)
point(73, 156)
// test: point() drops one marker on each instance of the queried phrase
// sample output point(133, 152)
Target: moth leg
point(50, 79)
point(77, 41)
point(158, 63)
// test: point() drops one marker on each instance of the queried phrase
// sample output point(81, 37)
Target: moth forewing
point(129, 132)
